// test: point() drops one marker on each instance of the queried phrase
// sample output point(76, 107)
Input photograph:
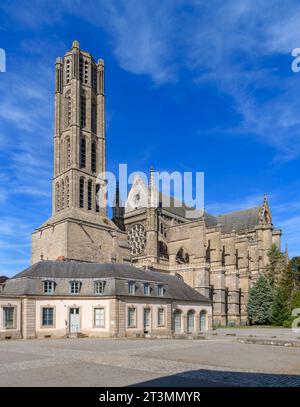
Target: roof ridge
point(240, 210)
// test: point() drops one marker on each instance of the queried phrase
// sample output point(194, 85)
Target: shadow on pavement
point(212, 378)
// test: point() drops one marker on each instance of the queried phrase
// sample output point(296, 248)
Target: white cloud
point(233, 45)
point(226, 43)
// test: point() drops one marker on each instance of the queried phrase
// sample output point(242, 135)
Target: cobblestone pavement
point(217, 361)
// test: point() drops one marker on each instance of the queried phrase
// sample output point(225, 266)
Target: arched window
point(96, 197)
point(93, 156)
point(68, 70)
point(86, 71)
point(94, 117)
point(190, 321)
point(57, 200)
point(68, 110)
point(182, 256)
point(67, 193)
point(81, 69)
point(69, 107)
point(82, 152)
point(208, 250)
point(94, 77)
point(68, 152)
point(163, 250)
point(81, 192)
point(90, 185)
point(177, 321)
point(203, 321)
point(62, 183)
point(82, 111)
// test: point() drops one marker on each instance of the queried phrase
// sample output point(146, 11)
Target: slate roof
point(29, 281)
point(210, 220)
point(240, 220)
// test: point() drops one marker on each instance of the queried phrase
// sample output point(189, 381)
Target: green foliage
point(288, 322)
point(295, 303)
point(276, 265)
point(259, 307)
point(294, 266)
point(280, 307)
point(274, 296)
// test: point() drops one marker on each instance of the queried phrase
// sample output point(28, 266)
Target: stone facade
point(79, 228)
point(219, 256)
point(42, 302)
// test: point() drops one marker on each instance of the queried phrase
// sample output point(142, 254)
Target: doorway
point(74, 320)
point(177, 321)
point(147, 320)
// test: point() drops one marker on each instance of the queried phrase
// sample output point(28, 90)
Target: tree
point(259, 307)
point(280, 307)
point(296, 300)
point(294, 266)
point(277, 264)
point(287, 296)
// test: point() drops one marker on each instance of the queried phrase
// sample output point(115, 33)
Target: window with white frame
point(48, 287)
point(99, 287)
point(9, 317)
point(74, 287)
point(99, 320)
point(161, 316)
point(146, 289)
point(131, 317)
point(48, 316)
point(131, 287)
point(160, 290)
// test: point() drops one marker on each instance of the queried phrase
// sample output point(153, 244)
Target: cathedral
point(218, 256)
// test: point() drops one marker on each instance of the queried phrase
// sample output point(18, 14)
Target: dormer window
point(75, 287)
point(160, 290)
point(49, 287)
point(99, 287)
point(131, 287)
point(146, 289)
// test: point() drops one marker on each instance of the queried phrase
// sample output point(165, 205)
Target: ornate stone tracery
point(137, 239)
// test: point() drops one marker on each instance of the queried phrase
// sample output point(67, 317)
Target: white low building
point(63, 298)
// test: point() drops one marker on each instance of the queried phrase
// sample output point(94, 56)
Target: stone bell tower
point(79, 140)
point(79, 228)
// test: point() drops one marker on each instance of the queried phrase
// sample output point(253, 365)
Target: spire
point(117, 199)
point(286, 253)
point(151, 180)
point(153, 193)
point(118, 209)
point(75, 44)
point(265, 213)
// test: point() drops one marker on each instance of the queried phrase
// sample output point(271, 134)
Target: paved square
point(216, 361)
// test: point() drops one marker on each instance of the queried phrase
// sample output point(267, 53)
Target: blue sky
point(191, 86)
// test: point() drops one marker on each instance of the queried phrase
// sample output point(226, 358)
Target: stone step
point(269, 341)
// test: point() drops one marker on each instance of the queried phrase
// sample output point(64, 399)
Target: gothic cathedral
point(220, 256)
